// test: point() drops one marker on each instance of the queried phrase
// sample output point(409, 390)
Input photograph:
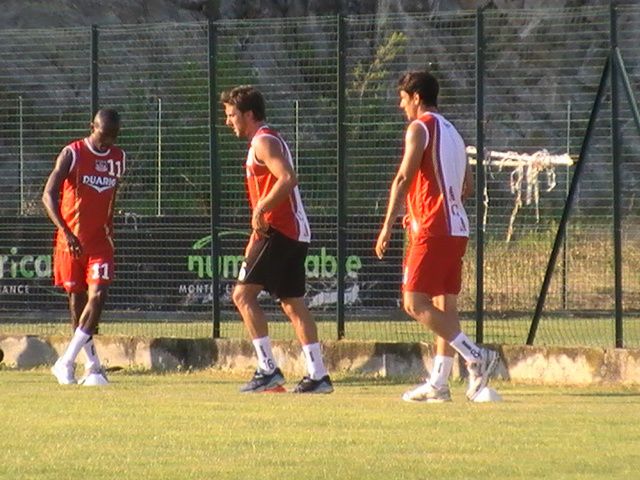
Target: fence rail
point(330, 88)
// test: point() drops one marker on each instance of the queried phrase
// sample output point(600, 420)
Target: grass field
point(197, 426)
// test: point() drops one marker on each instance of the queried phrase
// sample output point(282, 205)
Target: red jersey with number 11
point(88, 194)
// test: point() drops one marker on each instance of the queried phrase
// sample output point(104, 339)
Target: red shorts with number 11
point(434, 266)
point(76, 274)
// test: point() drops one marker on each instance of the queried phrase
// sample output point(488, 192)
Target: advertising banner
point(164, 264)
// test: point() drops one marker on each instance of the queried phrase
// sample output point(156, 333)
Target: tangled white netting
point(525, 177)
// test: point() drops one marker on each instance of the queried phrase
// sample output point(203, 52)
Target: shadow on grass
point(603, 394)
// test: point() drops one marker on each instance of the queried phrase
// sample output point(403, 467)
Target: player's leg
point(77, 304)
point(291, 288)
point(254, 277)
point(443, 360)
point(481, 362)
point(88, 322)
point(90, 318)
point(444, 255)
point(267, 376)
point(480, 370)
point(300, 317)
point(69, 273)
point(99, 275)
point(419, 306)
point(436, 388)
point(318, 380)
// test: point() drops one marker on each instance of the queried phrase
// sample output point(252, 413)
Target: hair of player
point(423, 83)
point(246, 98)
point(109, 118)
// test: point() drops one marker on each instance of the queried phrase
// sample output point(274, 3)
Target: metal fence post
point(214, 180)
point(21, 151)
point(480, 180)
point(624, 76)
point(95, 105)
point(565, 243)
point(342, 177)
point(577, 174)
point(616, 153)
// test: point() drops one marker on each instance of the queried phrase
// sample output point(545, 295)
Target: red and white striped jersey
point(434, 200)
point(288, 217)
point(88, 194)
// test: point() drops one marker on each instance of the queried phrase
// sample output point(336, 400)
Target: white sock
point(313, 358)
point(441, 370)
point(266, 362)
point(89, 349)
point(78, 340)
point(466, 348)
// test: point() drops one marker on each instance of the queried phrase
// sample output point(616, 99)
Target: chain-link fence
point(330, 89)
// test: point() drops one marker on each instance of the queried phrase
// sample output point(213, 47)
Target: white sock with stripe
point(441, 370)
point(266, 362)
point(78, 340)
point(466, 348)
point(313, 359)
point(89, 349)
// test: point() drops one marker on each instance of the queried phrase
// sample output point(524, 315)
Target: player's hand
point(73, 244)
point(258, 222)
point(383, 242)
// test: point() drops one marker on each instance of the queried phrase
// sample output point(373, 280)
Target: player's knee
point(410, 309)
point(240, 297)
point(287, 309)
point(98, 296)
point(417, 310)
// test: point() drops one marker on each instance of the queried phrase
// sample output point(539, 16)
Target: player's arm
point(415, 139)
point(51, 196)
point(271, 152)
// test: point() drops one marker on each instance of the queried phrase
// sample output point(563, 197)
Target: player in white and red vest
point(277, 249)
point(79, 198)
point(433, 179)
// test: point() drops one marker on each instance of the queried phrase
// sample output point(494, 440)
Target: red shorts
point(76, 274)
point(434, 267)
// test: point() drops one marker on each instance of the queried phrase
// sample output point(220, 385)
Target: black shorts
point(276, 262)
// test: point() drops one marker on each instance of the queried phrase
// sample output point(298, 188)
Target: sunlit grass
point(197, 426)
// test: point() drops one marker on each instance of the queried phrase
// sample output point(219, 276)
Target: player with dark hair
point(434, 178)
point(276, 252)
point(79, 198)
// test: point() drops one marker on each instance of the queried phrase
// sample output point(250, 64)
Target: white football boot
point(480, 372)
point(427, 393)
point(64, 372)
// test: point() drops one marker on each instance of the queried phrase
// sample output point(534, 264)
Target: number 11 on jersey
point(115, 168)
point(100, 271)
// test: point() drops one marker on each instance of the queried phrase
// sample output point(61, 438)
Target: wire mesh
point(629, 22)
point(378, 53)
point(293, 63)
point(542, 69)
point(44, 102)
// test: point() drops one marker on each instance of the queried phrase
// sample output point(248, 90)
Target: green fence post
point(342, 177)
point(624, 76)
point(480, 180)
point(616, 153)
point(568, 206)
point(94, 71)
point(214, 181)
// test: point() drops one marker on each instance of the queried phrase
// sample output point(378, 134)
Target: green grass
point(197, 426)
point(563, 331)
